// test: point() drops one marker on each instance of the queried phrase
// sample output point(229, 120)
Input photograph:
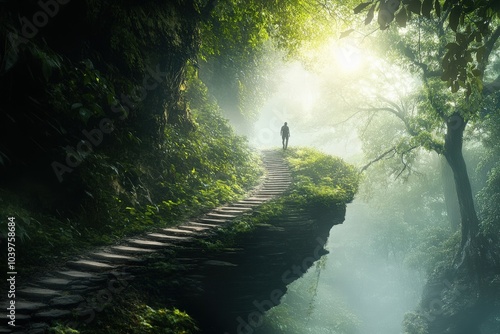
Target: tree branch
point(405, 164)
point(380, 157)
point(396, 111)
point(488, 48)
point(492, 87)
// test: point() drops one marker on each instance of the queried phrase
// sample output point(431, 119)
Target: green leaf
point(414, 6)
point(437, 7)
point(359, 8)
point(402, 17)
point(476, 72)
point(346, 33)
point(426, 8)
point(384, 18)
point(370, 15)
point(454, 18)
point(452, 46)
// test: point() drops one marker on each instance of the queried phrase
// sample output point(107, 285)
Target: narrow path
point(80, 288)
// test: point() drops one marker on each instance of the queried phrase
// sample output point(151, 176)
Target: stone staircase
point(82, 287)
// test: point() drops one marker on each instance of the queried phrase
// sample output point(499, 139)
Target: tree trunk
point(450, 195)
point(453, 152)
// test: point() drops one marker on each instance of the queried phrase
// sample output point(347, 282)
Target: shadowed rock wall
point(229, 290)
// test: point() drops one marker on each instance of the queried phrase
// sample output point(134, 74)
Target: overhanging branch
point(488, 48)
point(380, 157)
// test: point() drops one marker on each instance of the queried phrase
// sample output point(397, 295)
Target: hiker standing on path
point(285, 134)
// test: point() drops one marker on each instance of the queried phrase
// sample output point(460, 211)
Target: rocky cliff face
point(229, 290)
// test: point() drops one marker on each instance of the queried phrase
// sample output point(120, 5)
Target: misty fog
point(373, 273)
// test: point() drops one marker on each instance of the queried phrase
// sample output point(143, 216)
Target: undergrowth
point(134, 188)
point(129, 314)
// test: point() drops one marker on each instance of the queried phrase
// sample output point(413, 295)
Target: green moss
point(322, 179)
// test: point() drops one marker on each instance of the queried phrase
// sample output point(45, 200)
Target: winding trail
point(82, 287)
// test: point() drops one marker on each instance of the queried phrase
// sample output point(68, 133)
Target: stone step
point(20, 318)
point(132, 250)
point(270, 165)
point(90, 265)
point(262, 198)
point(116, 258)
point(173, 238)
point(80, 275)
point(25, 306)
point(278, 179)
point(52, 314)
point(271, 191)
point(148, 243)
point(232, 209)
point(249, 205)
point(202, 225)
point(276, 184)
point(212, 220)
point(251, 200)
point(194, 228)
point(82, 288)
point(179, 231)
point(34, 293)
point(220, 215)
point(54, 282)
point(65, 301)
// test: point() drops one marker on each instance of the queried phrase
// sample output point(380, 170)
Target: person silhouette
point(285, 134)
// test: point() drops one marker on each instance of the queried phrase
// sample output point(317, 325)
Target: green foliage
point(129, 191)
point(466, 29)
point(322, 178)
point(320, 183)
point(243, 26)
point(129, 314)
point(415, 323)
point(239, 37)
point(489, 171)
point(164, 321)
point(62, 329)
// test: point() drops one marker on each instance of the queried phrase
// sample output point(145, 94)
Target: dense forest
point(117, 117)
